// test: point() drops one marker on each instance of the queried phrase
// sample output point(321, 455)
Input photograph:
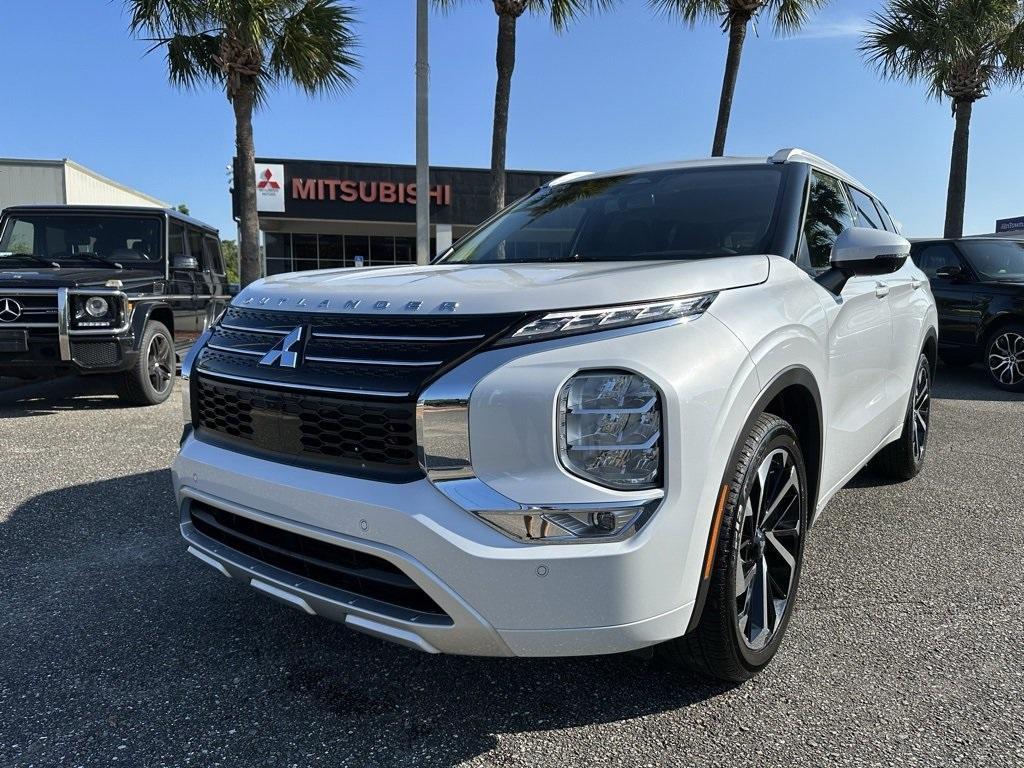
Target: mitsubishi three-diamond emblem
point(10, 310)
point(282, 353)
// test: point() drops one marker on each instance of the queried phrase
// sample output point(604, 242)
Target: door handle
point(915, 283)
point(881, 290)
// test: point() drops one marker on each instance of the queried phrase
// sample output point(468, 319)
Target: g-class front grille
point(355, 572)
point(348, 404)
point(28, 309)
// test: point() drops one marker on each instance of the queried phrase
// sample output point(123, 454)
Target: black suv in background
point(978, 284)
point(107, 291)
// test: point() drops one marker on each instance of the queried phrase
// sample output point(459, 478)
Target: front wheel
point(756, 566)
point(1004, 358)
point(150, 381)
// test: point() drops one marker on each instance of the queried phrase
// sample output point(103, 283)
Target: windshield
point(1000, 260)
point(62, 239)
point(674, 214)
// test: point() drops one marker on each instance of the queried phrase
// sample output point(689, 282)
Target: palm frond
point(790, 15)
point(690, 12)
point(191, 59)
point(315, 47)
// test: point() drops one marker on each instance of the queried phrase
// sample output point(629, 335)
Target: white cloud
point(825, 29)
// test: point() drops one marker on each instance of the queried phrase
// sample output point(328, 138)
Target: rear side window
point(886, 218)
point(867, 213)
point(176, 238)
point(195, 243)
point(211, 255)
point(933, 257)
point(828, 214)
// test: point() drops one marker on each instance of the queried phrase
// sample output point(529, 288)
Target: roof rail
point(569, 177)
point(795, 154)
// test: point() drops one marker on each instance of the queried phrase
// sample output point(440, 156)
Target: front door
point(960, 308)
point(181, 289)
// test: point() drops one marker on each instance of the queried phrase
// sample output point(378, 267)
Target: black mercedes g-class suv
point(107, 291)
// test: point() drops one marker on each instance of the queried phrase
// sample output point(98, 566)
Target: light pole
point(422, 145)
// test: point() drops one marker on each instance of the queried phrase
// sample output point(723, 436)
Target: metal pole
point(422, 145)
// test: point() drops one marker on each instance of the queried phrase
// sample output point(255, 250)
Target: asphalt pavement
point(118, 648)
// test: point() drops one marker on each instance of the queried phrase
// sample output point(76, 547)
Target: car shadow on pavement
point(116, 640)
point(969, 383)
point(48, 397)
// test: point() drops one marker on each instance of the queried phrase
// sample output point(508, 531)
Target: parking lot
point(116, 647)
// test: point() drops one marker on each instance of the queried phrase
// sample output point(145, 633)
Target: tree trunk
point(506, 62)
point(245, 183)
point(737, 34)
point(956, 192)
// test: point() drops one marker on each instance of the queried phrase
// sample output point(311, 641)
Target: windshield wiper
point(33, 257)
point(96, 257)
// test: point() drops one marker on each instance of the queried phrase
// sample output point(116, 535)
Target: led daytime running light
point(556, 324)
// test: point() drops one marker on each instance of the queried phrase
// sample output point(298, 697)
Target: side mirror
point(185, 263)
point(864, 251)
point(950, 272)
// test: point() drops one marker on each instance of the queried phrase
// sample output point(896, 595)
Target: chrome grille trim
point(368, 337)
point(363, 361)
point(299, 387)
point(247, 329)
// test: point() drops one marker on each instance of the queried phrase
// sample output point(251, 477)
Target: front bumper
point(503, 597)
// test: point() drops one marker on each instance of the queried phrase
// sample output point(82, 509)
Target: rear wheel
point(1004, 358)
point(150, 381)
point(904, 458)
point(756, 566)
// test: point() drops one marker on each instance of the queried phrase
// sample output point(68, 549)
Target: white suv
point(604, 420)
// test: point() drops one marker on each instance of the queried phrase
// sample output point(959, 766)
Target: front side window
point(828, 214)
point(867, 213)
point(62, 239)
point(931, 258)
point(690, 213)
point(998, 260)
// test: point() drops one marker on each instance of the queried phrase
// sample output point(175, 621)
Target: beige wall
point(27, 184)
point(31, 182)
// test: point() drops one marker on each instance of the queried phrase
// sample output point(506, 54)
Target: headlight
point(610, 429)
point(556, 324)
point(97, 306)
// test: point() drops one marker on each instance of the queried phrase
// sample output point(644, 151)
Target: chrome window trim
point(443, 439)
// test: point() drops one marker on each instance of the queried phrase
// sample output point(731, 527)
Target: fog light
point(572, 523)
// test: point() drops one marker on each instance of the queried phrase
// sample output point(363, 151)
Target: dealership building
point(325, 214)
point(64, 182)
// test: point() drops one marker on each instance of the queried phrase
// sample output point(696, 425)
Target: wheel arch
point(793, 394)
point(930, 348)
point(996, 324)
point(152, 311)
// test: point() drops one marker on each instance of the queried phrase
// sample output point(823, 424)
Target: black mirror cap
point(950, 272)
point(883, 264)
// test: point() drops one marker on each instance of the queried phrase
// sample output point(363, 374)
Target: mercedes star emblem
point(10, 310)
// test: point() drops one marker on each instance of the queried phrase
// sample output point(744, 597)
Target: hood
point(501, 288)
point(73, 277)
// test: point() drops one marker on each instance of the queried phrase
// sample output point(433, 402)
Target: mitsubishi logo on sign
point(282, 354)
point(270, 187)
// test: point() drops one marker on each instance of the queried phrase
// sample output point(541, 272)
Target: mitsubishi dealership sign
point(270, 187)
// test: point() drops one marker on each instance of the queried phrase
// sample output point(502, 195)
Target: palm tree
point(248, 47)
point(961, 49)
point(561, 13)
point(735, 16)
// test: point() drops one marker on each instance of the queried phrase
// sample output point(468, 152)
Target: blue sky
point(617, 89)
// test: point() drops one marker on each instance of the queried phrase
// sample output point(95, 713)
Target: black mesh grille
point(344, 435)
point(339, 567)
point(95, 354)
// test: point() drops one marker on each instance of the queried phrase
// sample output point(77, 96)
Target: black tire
point(724, 645)
point(151, 380)
point(1004, 358)
point(904, 458)
point(958, 359)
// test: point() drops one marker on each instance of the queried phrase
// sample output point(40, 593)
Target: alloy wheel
point(1006, 358)
point(921, 411)
point(766, 558)
point(159, 363)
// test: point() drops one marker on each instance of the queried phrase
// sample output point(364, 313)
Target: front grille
point(335, 433)
point(36, 309)
point(95, 354)
point(346, 569)
point(349, 404)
